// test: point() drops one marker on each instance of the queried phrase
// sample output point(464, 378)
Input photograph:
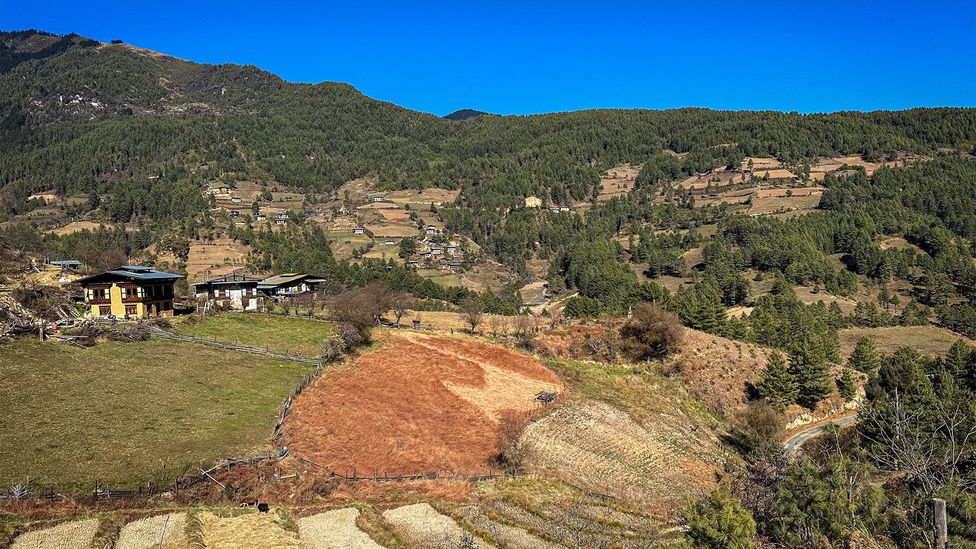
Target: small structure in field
point(130, 291)
point(359, 230)
point(546, 397)
point(235, 291)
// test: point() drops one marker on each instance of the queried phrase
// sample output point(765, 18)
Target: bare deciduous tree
point(472, 310)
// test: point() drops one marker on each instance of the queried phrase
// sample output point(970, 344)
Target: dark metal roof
point(131, 272)
point(232, 278)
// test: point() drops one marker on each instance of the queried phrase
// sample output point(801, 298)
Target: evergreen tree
point(777, 384)
point(846, 385)
point(865, 357)
point(719, 521)
point(812, 374)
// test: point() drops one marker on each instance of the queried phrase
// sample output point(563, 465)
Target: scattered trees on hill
point(777, 385)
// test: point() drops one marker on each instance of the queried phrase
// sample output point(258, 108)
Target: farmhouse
point(235, 291)
point(290, 284)
point(359, 230)
point(281, 219)
point(377, 198)
point(235, 199)
point(131, 291)
point(431, 229)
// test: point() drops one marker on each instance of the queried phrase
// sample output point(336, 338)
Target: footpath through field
point(159, 332)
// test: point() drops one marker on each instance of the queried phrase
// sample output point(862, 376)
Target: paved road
point(797, 439)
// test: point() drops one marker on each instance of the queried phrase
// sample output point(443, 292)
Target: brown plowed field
point(419, 404)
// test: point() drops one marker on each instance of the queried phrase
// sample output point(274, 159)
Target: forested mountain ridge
point(86, 116)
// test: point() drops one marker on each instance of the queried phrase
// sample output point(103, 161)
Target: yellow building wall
point(118, 308)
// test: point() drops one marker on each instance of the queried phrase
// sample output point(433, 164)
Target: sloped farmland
point(420, 404)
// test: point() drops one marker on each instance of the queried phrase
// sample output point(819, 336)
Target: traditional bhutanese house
point(261, 217)
point(377, 198)
point(281, 219)
point(235, 199)
point(290, 284)
point(131, 291)
point(359, 230)
point(432, 229)
point(236, 291)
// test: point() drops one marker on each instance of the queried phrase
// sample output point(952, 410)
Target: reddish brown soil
point(419, 404)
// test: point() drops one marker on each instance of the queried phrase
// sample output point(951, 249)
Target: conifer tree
point(777, 385)
point(846, 385)
point(865, 357)
point(812, 375)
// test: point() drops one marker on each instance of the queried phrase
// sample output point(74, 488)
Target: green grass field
point(119, 412)
point(280, 334)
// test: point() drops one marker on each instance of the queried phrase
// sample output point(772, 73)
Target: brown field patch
point(392, 230)
point(768, 205)
point(930, 340)
point(391, 214)
point(248, 530)
point(75, 227)
point(420, 403)
point(618, 181)
point(774, 174)
point(334, 530)
point(434, 195)
point(760, 163)
point(219, 257)
point(601, 448)
point(79, 533)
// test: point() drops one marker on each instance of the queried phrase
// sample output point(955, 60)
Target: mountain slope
point(80, 116)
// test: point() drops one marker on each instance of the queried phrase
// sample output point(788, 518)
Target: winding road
point(797, 439)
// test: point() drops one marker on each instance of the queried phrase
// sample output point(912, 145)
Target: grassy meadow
point(280, 334)
point(119, 412)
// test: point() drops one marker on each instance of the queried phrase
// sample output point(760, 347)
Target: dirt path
point(797, 439)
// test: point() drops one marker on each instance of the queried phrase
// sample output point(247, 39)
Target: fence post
point(940, 523)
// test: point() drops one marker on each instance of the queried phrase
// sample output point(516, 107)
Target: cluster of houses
point(134, 291)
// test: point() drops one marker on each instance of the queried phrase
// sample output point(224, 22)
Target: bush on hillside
point(651, 333)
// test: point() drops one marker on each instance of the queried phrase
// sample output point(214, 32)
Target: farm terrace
point(130, 291)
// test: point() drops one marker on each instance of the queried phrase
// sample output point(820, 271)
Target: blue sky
point(531, 57)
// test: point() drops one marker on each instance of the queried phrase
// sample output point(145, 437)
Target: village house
point(290, 284)
point(130, 291)
point(377, 198)
point(436, 251)
point(235, 199)
point(431, 230)
point(359, 230)
point(235, 213)
point(281, 219)
point(235, 291)
point(260, 217)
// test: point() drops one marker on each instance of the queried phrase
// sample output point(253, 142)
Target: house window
point(125, 292)
point(105, 293)
point(140, 292)
point(130, 310)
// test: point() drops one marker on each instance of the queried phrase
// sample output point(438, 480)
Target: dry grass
point(765, 206)
point(75, 227)
point(425, 527)
point(931, 340)
point(392, 230)
point(716, 370)
point(618, 181)
point(334, 530)
point(422, 198)
point(248, 530)
point(70, 535)
point(210, 259)
point(163, 531)
point(601, 448)
point(418, 404)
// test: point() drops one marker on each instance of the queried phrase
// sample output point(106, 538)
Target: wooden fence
point(159, 332)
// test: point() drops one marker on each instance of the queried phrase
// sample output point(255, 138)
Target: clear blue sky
point(523, 57)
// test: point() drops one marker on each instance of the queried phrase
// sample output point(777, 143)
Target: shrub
point(651, 333)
